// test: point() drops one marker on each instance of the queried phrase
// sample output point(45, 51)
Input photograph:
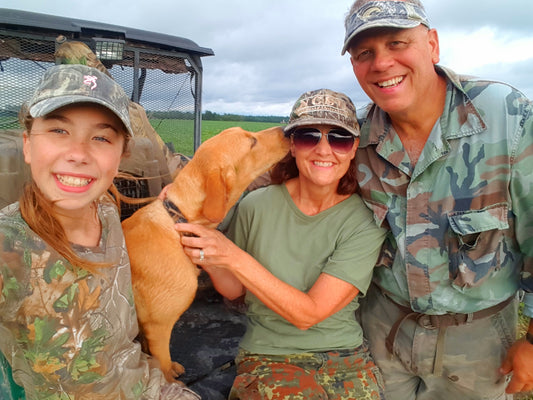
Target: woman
point(304, 249)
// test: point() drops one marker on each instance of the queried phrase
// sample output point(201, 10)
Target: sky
point(268, 52)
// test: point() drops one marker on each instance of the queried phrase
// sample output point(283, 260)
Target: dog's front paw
point(174, 372)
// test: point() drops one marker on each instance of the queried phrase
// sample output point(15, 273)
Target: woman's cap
point(66, 84)
point(323, 106)
point(383, 14)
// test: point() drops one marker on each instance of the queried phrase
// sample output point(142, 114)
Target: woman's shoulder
point(354, 211)
point(352, 202)
point(265, 194)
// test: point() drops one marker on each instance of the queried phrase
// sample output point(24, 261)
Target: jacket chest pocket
point(389, 247)
point(476, 244)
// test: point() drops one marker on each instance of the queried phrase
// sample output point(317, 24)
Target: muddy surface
point(205, 341)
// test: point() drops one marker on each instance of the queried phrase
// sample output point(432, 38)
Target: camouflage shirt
point(69, 334)
point(460, 220)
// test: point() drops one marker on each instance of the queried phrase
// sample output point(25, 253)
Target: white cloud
point(482, 47)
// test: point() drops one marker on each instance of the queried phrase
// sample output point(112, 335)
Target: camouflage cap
point(66, 84)
point(324, 106)
point(383, 14)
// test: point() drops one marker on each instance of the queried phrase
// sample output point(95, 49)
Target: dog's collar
point(174, 211)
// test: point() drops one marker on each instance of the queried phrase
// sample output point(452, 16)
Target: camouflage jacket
point(67, 333)
point(460, 220)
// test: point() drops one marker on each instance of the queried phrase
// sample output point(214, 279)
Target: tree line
point(213, 116)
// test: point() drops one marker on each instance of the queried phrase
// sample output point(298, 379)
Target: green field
point(179, 132)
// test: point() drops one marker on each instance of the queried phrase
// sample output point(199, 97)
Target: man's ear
point(433, 40)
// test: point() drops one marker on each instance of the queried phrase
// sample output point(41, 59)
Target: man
point(446, 163)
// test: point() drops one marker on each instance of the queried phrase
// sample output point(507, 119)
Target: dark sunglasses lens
point(340, 141)
point(306, 139)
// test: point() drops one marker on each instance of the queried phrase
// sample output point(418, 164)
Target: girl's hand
point(163, 193)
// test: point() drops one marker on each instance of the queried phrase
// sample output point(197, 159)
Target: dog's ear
point(218, 187)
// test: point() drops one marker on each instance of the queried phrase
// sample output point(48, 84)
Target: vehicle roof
point(26, 21)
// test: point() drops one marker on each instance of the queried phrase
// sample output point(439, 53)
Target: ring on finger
point(202, 254)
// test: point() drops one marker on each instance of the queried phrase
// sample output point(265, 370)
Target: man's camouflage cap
point(66, 84)
point(323, 106)
point(383, 14)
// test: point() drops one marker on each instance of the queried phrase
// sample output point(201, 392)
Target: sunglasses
point(340, 140)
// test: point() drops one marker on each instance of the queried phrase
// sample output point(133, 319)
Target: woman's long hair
point(39, 214)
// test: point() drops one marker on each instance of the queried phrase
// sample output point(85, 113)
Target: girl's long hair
point(38, 212)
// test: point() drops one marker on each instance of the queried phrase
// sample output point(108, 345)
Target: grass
point(179, 132)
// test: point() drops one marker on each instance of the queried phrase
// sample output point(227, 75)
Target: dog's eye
point(254, 141)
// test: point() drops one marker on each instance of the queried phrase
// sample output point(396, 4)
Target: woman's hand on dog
point(217, 249)
point(220, 256)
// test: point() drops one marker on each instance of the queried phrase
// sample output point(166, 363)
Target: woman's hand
point(216, 254)
point(206, 247)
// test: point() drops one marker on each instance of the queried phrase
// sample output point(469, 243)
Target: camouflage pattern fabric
point(472, 354)
point(69, 334)
point(345, 374)
point(460, 220)
point(383, 14)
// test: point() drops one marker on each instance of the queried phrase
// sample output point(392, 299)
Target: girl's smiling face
point(74, 154)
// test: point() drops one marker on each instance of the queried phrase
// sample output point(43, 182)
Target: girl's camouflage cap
point(66, 84)
point(323, 106)
point(383, 14)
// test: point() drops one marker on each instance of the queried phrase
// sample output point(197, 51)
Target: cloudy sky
point(268, 52)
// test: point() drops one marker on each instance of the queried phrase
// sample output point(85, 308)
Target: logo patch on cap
point(90, 80)
point(367, 14)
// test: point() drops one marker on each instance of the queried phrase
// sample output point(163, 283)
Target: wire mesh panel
point(20, 73)
point(167, 95)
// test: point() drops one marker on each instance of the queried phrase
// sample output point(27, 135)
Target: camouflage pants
point(345, 374)
point(471, 356)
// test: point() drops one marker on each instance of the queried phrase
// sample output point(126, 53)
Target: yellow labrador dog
point(164, 279)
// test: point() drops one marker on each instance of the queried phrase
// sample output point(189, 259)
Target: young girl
point(67, 315)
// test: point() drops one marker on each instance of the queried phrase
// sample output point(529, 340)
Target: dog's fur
point(164, 278)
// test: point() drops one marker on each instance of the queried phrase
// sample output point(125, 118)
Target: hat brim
point(314, 121)
point(398, 23)
point(46, 106)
